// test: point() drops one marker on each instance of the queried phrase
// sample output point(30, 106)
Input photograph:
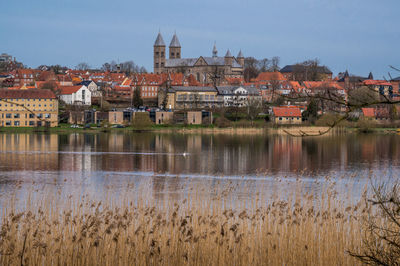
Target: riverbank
point(205, 129)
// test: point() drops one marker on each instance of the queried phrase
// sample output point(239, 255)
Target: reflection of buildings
point(206, 154)
point(28, 152)
point(76, 156)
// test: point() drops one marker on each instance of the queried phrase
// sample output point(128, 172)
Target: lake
point(168, 164)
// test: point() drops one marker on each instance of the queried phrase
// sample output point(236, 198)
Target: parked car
point(117, 126)
point(75, 126)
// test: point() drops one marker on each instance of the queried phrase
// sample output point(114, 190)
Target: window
point(8, 123)
point(16, 123)
point(47, 115)
point(31, 116)
point(280, 118)
point(39, 115)
point(16, 115)
point(31, 123)
point(8, 115)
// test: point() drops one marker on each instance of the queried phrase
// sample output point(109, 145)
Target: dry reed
point(216, 228)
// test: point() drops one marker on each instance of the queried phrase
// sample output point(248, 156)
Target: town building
point(92, 86)
point(28, 108)
point(25, 77)
point(190, 97)
point(79, 95)
point(6, 58)
point(384, 87)
point(239, 96)
point(286, 115)
point(205, 69)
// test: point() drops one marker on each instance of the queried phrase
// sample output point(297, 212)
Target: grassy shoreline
point(206, 129)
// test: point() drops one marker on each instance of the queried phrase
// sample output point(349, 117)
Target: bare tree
point(82, 66)
point(381, 234)
point(254, 107)
point(275, 64)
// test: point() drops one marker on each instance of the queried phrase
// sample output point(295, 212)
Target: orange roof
point(376, 82)
point(287, 111)
point(268, 76)
point(69, 89)
point(126, 82)
point(368, 112)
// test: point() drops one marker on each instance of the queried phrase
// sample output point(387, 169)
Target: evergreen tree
point(137, 98)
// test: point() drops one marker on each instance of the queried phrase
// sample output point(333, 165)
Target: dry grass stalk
point(295, 229)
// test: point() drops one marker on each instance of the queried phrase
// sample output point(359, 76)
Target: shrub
point(141, 120)
point(222, 122)
point(327, 120)
point(364, 125)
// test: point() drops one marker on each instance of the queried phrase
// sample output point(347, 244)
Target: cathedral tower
point(159, 54)
point(228, 58)
point(174, 48)
point(240, 58)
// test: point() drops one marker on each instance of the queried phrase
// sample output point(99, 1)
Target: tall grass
point(298, 228)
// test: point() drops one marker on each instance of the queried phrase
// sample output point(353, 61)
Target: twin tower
point(159, 52)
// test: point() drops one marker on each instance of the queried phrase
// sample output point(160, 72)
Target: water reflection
point(179, 154)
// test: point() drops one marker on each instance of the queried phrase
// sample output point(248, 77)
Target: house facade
point(286, 115)
point(28, 108)
point(92, 86)
point(79, 95)
point(239, 96)
point(188, 97)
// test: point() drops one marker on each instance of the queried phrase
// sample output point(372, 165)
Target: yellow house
point(287, 115)
point(191, 97)
point(28, 108)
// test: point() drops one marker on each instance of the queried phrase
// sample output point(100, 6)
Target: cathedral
point(205, 69)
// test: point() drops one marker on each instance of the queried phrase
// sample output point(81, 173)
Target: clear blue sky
point(358, 35)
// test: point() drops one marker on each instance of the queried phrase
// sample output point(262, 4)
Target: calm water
point(170, 162)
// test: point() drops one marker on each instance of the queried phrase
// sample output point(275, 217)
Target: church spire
point(159, 41)
point(175, 42)
point(215, 51)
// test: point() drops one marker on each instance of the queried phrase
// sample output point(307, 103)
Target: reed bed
point(216, 228)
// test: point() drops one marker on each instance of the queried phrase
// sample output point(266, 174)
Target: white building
point(238, 96)
point(92, 86)
point(79, 95)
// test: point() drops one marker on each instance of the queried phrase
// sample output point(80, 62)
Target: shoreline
point(194, 129)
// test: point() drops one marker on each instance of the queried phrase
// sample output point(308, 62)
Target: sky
point(355, 35)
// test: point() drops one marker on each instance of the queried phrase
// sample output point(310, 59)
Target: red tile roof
point(286, 111)
point(270, 76)
point(69, 89)
point(368, 112)
point(376, 82)
point(26, 94)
